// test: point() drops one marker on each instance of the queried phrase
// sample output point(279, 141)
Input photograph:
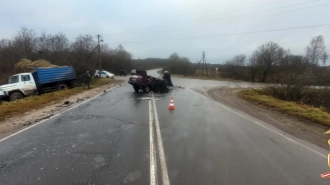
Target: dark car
point(142, 82)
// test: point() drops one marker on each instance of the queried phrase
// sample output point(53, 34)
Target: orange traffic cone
point(183, 86)
point(171, 105)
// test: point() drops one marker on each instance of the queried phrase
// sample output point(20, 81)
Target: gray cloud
point(153, 28)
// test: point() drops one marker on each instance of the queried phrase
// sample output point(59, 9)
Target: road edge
point(304, 144)
point(38, 123)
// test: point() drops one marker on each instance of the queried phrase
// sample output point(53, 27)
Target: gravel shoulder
point(14, 124)
point(300, 128)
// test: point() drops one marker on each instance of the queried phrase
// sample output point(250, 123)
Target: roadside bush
point(285, 92)
point(234, 72)
point(316, 97)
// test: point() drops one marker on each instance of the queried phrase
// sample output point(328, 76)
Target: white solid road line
point(162, 159)
point(153, 167)
point(11, 135)
point(264, 126)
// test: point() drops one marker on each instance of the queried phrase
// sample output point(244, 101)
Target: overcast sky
point(158, 28)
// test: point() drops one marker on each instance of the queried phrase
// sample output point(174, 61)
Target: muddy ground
point(300, 128)
point(26, 119)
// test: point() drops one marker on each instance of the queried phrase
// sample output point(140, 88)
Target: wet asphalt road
point(108, 140)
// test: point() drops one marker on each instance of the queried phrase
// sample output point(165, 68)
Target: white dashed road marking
point(162, 158)
point(153, 166)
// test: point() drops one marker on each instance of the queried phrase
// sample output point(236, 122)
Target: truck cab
point(18, 86)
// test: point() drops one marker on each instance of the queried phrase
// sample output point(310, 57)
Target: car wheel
point(62, 86)
point(15, 96)
point(147, 89)
point(96, 76)
point(136, 88)
point(107, 76)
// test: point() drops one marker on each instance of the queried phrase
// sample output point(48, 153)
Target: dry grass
point(292, 108)
point(8, 109)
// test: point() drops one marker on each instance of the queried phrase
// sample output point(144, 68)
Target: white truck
point(37, 82)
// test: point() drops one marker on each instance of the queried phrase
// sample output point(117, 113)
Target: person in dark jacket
point(87, 79)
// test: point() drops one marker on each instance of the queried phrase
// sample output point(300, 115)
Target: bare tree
point(7, 55)
point(84, 44)
point(116, 59)
point(59, 46)
point(238, 60)
point(25, 43)
point(178, 65)
point(315, 50)
point(43, 42)
point(266, 57)
point(325, 57)
point(174, 57)
point(59, 42)
point(84, 52)
point(122, 58)
point(294, 63)
point(253, 65)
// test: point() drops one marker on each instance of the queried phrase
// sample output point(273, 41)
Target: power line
point(230, 34)
point(269, 4)
point(300, 9)
point(257, 16)
point(245, 14)
point(297, 4)
point(237, 10)
point(215, 20)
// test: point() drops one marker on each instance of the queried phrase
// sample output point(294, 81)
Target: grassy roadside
point(9, 109)
point(302, 111)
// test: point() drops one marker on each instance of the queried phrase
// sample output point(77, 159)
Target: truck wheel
point(15, 96)
point(147, 89)
point(62, 86)
point(136, 88)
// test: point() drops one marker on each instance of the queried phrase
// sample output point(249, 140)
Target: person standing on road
point(87, 79)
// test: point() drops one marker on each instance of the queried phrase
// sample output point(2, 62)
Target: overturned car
point(142, 82)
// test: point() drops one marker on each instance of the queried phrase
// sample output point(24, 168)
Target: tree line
point(268, 63)
point(82, 53)
point(271, 63)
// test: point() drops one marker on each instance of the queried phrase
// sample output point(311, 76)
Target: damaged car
point(142, 82)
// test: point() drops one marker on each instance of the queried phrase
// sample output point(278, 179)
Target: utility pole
point(204, 67)
point(99, 39)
